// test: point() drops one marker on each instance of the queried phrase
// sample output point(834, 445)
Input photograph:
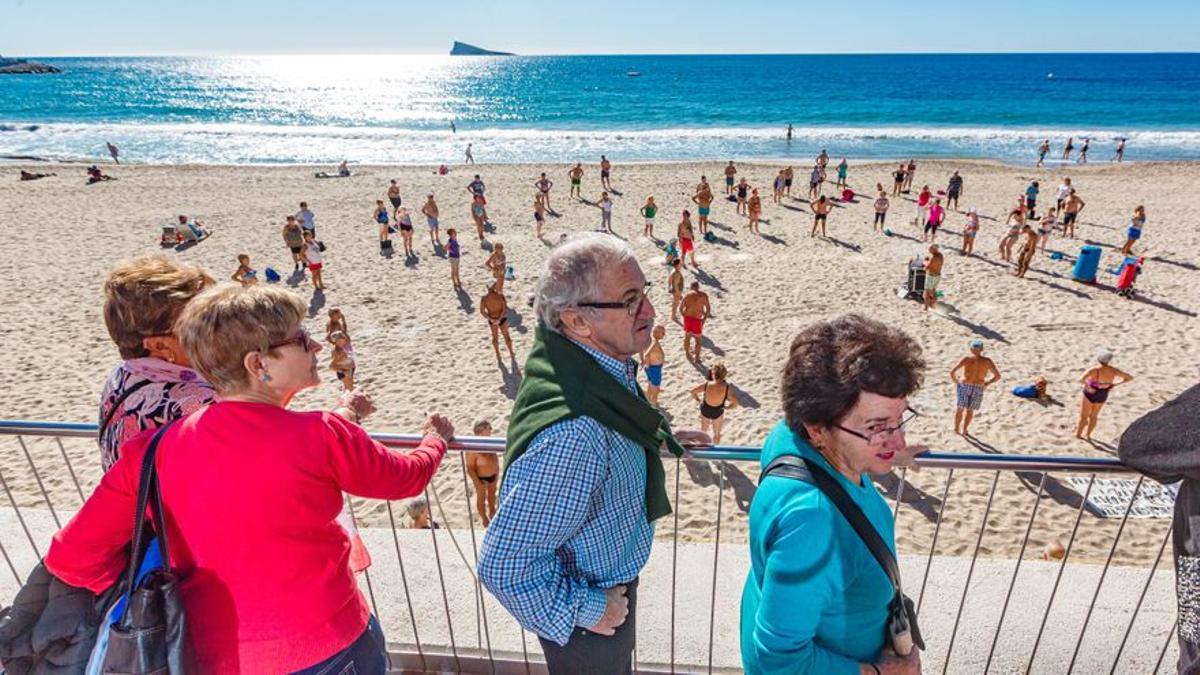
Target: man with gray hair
point(583, 480)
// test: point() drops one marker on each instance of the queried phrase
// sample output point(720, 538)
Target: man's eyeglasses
point(632, 304)
point(880, 435)
point(303, 340)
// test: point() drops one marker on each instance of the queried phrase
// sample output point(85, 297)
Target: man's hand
point(616, 608)
point(692, 439)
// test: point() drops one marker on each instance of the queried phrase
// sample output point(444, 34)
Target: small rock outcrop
point(23, 67)
point(464, 49)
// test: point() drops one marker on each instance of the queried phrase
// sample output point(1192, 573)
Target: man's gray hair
point(572, 274)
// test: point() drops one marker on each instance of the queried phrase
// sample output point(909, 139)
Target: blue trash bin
point(1086, 264)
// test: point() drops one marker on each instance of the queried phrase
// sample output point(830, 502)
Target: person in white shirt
point(1063, 191)
point(606, 206)
point(312, 257)
point(307, 219)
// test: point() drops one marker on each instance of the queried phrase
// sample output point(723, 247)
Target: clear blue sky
point(134, 27)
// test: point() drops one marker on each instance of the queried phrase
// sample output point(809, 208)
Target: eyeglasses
point(880, 436)
point(302, 340)
point(631, 305)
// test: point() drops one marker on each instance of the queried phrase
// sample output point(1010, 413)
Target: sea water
point(398, 109)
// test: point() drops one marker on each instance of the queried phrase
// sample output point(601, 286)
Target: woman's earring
point(265, 377)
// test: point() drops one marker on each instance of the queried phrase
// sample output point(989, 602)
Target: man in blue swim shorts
point(971, 376)
point(652, 363)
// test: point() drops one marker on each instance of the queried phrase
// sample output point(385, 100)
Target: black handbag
point(149, 636)
point(901, 631)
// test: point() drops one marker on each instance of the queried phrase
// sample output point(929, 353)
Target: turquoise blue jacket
point(815, 601)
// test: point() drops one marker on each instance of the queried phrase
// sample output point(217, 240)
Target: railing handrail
point(729, 453)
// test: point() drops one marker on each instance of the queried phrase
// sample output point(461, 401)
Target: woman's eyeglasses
point(302, 340)
point(879, 436)
point(632, 305)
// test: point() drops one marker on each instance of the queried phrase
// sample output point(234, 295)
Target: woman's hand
point(357, 403)
point(439, 425)
point(906, 456)
point(692, 439)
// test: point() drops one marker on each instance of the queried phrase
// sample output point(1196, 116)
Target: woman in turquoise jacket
point(815, 600)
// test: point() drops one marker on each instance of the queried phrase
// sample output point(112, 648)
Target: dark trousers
point(365, 656)
point(594, 654)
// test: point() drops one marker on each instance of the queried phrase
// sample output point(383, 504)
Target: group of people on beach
point(1082, 157)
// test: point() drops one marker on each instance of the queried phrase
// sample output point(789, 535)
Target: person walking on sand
point(483, 468)
point(687, 239)
point(311, 256)
point(1042, 150)
point(430, 209)
point(494, 307)
point(468, 157)
point(649, 210)
point(730, 176)
point(1120, 155)
point(954, 190)
point(937, 215)
point(1016, 221)
point(715, 397)
point(820, 208)
point(970, 229)
point(497, 264)
point(754, 210)
point(575, 175)
point(703, 200)
point(1071, 208)
point(113, 151)
point(1097, 382)
point(1135, 229)
point(933, 275)
point(454, 255)
point(971, 377)
point(1083, 151)
point(1066, 156)
point(881, 208)
point(605, 173)
point(652, 363)
point(1028, 248)
point(842, 168)
point(675, 285)
point(1045, 228)
point(293, 238)
point(743, 193)
point(695, 309)
point(583, 480)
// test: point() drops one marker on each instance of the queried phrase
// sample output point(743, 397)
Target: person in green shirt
point(815, 599)
point(648, 212)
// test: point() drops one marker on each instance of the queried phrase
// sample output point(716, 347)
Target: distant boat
point(633, 73)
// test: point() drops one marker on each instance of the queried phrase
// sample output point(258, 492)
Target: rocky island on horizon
point(464, 49)
point(22, 67)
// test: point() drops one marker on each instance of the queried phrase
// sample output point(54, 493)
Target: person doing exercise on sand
point(1097, 382)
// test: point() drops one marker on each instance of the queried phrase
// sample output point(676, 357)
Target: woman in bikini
point(1046, 227)
point(1016, 221)
point(496, 263)
point(478, 214)
point(969, 231)
point(406, 231)
point(715, 398)
point(484, 470)
point(1097, 382)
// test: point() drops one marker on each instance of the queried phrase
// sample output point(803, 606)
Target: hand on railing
point(692, 439)
point(616, 608)
point(358, 403)
point(893, 664)
point(440, 425)
point(906, 458)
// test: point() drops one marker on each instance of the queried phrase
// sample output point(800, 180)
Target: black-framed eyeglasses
point(303, 340)
point(631, 305)
point(880, 436)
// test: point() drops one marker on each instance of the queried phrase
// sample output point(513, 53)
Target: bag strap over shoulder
point(116, 406)
point(802, 469)
point(148, 495)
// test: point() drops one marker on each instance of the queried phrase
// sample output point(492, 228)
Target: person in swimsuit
point(675, 285)
point(910, 172)
point(969, 232)
point(245, 275)
point(937, 215)
point(1068, 148)
point(789, 174)
point(1083, 151)
point(1097, 382)
point(576, 177)
point(933, 275)
point(649, 210)
point(384, 220)
point(468, 156)
point(406, 231)
point(484, 470)
point(897, 180)
point(1045, 228)
point(1028, 248)
point(454, 254)
point(695, 309)
point(476, 187)
point(754, 208)
point(822, 159)
point(336, 322)
point(730, 174)
point(715, 398)
point(539, 216)
point(978, 373)
point(1016, 221)
point(543, 185)
point(703, 200)
point(341, 361)
point(842, 168)
point(393, 195)
point(1135, 229)
point(652, 363)
point(479, 215)
point(1120, 151)
point(1071, 208)
point(954, 190)
point(1042, 150)
point(687, 238)
point(820, 209)
point(494, 307)
point(495, 264)
point(605, 173)
point(881, 208)
point(777, 192)
point(814, 183)
point(743, 193)
point(430, 209)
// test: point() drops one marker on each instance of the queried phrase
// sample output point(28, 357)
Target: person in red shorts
point(695, 309)
point(687, 237)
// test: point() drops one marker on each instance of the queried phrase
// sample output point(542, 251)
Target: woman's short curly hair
point(832, 362)
point(144, 296)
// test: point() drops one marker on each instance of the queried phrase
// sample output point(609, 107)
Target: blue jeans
point(365, 656)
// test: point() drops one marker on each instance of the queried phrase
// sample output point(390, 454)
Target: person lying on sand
point(25, 175)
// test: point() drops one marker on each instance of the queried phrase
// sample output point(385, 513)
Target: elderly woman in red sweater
point(252, 492)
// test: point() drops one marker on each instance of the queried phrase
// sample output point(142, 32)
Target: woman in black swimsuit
point(715, 398)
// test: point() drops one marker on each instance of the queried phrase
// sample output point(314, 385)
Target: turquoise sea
point(398, 109)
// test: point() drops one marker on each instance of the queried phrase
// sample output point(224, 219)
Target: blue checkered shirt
point(571, 522)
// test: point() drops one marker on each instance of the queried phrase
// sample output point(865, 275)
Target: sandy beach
point(420, 347)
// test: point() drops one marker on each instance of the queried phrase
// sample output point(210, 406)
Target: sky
point(164, 27)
